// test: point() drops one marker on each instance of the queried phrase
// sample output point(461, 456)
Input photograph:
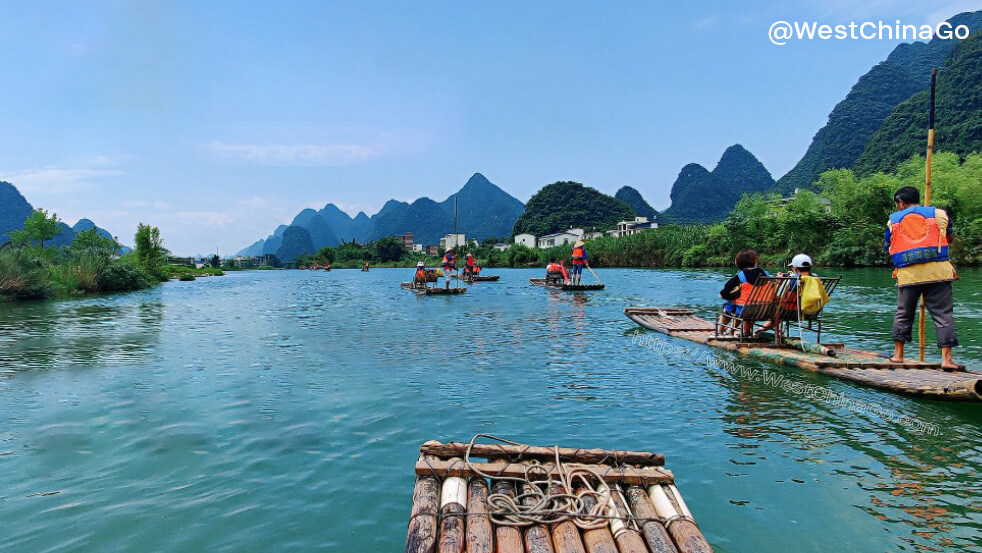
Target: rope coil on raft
point(567, 485)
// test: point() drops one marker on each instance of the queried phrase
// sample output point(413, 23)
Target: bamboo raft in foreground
point(570, 287)
point(863, 367)
point(516, 499)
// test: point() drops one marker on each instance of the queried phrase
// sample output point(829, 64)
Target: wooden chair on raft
point(771, 304)
point(791, 317)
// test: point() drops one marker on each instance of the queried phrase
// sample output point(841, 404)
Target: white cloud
point(55, 180)
point(295, 154)
point(707, 22)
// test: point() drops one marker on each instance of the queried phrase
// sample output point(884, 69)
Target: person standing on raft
point(917, 239)
point(579, 260)
point(449, 263)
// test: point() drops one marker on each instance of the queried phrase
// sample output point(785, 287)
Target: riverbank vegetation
point(32, 269)
point(841, 225)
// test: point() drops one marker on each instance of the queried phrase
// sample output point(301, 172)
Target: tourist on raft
point(449, 264)
point(470, 268)
point(800, 266)
point(420, 276)
point(917, 238)
point(579, 260)
point(737, 289)
point(556, 272)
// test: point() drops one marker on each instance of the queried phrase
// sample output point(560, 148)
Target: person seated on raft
point(420, 276)
point(801, 265)
point(471, 268)
point(737, 289)
point(556, 273)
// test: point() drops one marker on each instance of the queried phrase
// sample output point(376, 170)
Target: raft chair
point(762, 306)
point(788, 315)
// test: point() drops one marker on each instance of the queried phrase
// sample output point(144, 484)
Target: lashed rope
point(563, 499)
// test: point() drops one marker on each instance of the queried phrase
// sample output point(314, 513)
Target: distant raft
point(863, 367)
point(423, 289)
point(562, 286)
point(506, 497)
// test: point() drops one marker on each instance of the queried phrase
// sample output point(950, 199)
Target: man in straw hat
point(579, 260)
point(449, 263)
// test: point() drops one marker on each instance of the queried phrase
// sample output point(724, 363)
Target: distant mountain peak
point(699, 195)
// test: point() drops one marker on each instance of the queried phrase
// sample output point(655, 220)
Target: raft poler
point(420, 276)
point(917, 238)
point(449, 264)
point(579, 260)
point(556, 273)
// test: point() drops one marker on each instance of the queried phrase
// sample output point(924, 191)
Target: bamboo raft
point(569, 287)
point(486, 278)
point(924, 379)
point(523, 499)
point(432, 290)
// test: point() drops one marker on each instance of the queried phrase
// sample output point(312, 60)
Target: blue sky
point(216, 121)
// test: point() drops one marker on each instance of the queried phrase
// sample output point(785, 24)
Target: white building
point(501, 246)
point(417, 247)
point(627, 228)
point(525, 239)
point(559, 238)
point(592, 235)
point(452, 241)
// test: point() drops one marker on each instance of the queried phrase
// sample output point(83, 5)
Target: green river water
point(283, 411)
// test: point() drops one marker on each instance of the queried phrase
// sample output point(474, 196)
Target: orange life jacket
point(746, 287)
point(578, 256)
point(915, 237)
point(421, 275)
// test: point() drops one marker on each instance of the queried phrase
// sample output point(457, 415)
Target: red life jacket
point(915, 237)
point(554, 268)
point(470, 262)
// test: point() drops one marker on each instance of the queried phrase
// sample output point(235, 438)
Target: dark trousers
point(937, 299)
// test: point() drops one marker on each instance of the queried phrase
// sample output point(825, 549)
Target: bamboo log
point(508, 538)
point(537, 537)
point(573, 455)
point(599, 540)
point(654, 532)
point(479, 536)
point(684, 531)
point(628, 539)
point(565, 534)
point(421, 537)
point(628, 475)
point(453, 510)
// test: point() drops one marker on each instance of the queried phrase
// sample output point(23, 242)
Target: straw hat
point(449, 250)
point(469, 255)
point(579, 243)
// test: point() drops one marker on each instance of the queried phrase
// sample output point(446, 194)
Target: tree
point(150, 249)
point(215, 261)
point(90, 242)
point(38, 227)
point(324, 256)
point(388, 248)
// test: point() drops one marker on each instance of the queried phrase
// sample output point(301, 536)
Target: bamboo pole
point(421, 537)
point(628, 538)
point(654, 532)
point(599, 540)
point(508, 538)
point(453, 511)
point(679, 521)
point(627, 475)
point(575, 455)
point(565, 534)
point(921, 323)
point(479, 536)
point(537, 537)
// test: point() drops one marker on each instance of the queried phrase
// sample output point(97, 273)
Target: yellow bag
point(813, 295)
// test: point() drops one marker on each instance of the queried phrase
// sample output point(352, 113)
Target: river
point(283, 410)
